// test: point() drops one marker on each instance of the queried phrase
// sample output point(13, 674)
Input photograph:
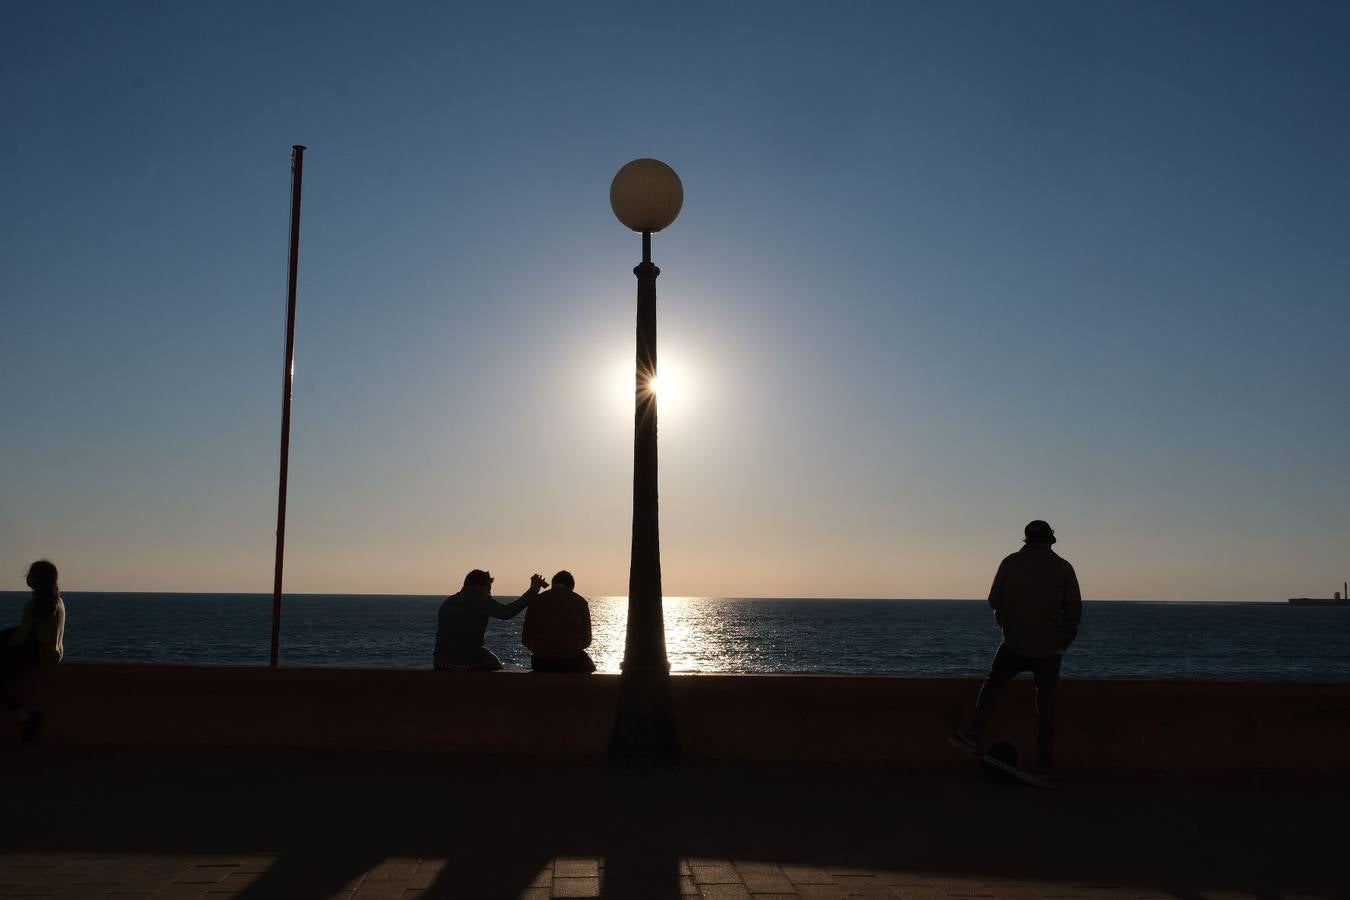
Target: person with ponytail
point(38, 641)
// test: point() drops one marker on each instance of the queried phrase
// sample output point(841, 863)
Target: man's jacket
point(1036, 600)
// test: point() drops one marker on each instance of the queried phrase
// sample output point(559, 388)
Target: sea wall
point(1105, 726)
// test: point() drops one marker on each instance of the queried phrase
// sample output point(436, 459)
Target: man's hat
point(1039, 532)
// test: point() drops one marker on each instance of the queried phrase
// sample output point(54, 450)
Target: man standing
point(558, 629)
point(1038, 606)
point(462, 622)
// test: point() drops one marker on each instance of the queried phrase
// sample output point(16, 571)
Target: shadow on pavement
point(329, 819)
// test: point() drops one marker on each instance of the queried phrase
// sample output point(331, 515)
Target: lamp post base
point(644, 724)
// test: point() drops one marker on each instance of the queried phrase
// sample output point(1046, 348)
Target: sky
point(941, 269)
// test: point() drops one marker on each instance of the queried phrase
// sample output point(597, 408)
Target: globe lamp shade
point(646, 195)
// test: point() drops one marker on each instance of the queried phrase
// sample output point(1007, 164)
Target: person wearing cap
point(1038, 606)
point(462, 623)
point(558, 629)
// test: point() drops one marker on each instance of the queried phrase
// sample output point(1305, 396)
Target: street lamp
point(646, 196)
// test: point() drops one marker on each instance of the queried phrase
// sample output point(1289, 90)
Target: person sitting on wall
point(462, 622)
point(38, 641)
point(558, 629)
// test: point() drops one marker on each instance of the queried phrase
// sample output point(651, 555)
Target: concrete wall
point(1111, 726)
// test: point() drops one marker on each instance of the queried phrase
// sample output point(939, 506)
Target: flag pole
point(297, 174)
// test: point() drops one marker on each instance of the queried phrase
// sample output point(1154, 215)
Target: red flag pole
point(297, 174)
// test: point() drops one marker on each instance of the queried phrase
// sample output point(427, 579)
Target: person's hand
point(537, 582)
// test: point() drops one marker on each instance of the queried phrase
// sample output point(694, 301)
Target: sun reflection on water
point(691, 628)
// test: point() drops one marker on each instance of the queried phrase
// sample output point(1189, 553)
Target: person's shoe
point(29, 727)
point(965, 741)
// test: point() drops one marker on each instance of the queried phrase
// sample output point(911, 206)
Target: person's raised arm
point(508, 610)
point(1073, 607)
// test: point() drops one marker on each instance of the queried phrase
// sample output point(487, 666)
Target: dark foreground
point(189, 824)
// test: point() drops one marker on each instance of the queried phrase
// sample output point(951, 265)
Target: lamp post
point(646, 196)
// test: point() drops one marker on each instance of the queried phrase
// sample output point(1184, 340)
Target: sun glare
point(665, 388)
point(672, 386)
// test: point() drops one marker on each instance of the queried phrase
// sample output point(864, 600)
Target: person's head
point(478, 580)
point(42, 579)
point(1038, 531)
point(565, 581)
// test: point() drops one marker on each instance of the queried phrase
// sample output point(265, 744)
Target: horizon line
point(332, 594)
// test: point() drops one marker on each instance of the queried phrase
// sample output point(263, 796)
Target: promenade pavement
point(207, 824)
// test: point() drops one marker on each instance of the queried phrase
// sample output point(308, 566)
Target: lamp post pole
point(646, 196)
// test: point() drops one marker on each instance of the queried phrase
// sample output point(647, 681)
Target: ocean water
point(1166, 640)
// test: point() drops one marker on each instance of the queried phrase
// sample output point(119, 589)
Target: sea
point(1118, 639)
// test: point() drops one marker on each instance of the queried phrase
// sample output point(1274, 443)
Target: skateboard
point(988, 758)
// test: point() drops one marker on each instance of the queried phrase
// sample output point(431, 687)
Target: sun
point(664, 388)
point(671, 386)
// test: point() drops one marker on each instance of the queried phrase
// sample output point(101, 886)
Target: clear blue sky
point(942, 268)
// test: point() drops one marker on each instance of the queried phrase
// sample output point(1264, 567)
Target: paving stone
point(533, 893)
point(159, 868)
point(87, 889)
point(807, 875)
point(964, 887)
point(576, 887)
point(863, 886)
point(140, 883)
point(180, 892)
point(916, 892)
point(687, 886)
point(767, 883)
point(1005, 891)
point(906, 879)
point(402, 870)
point(27, 890)
point(724, 891)
point(822, 891)
point(725, 874)
point(576, 868)
point(57, 881)
point(235, 881)
point(204, 875)
point(353, 885)
point(382, 889)
point(428, 870)
point(122, 869)
point(543, 878)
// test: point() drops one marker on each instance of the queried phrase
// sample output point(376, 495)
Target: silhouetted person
point(558, 628)
point(39, 640)
point(1038, 606)
point(463, 619)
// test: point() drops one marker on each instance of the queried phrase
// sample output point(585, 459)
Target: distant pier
point(1340, 598)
